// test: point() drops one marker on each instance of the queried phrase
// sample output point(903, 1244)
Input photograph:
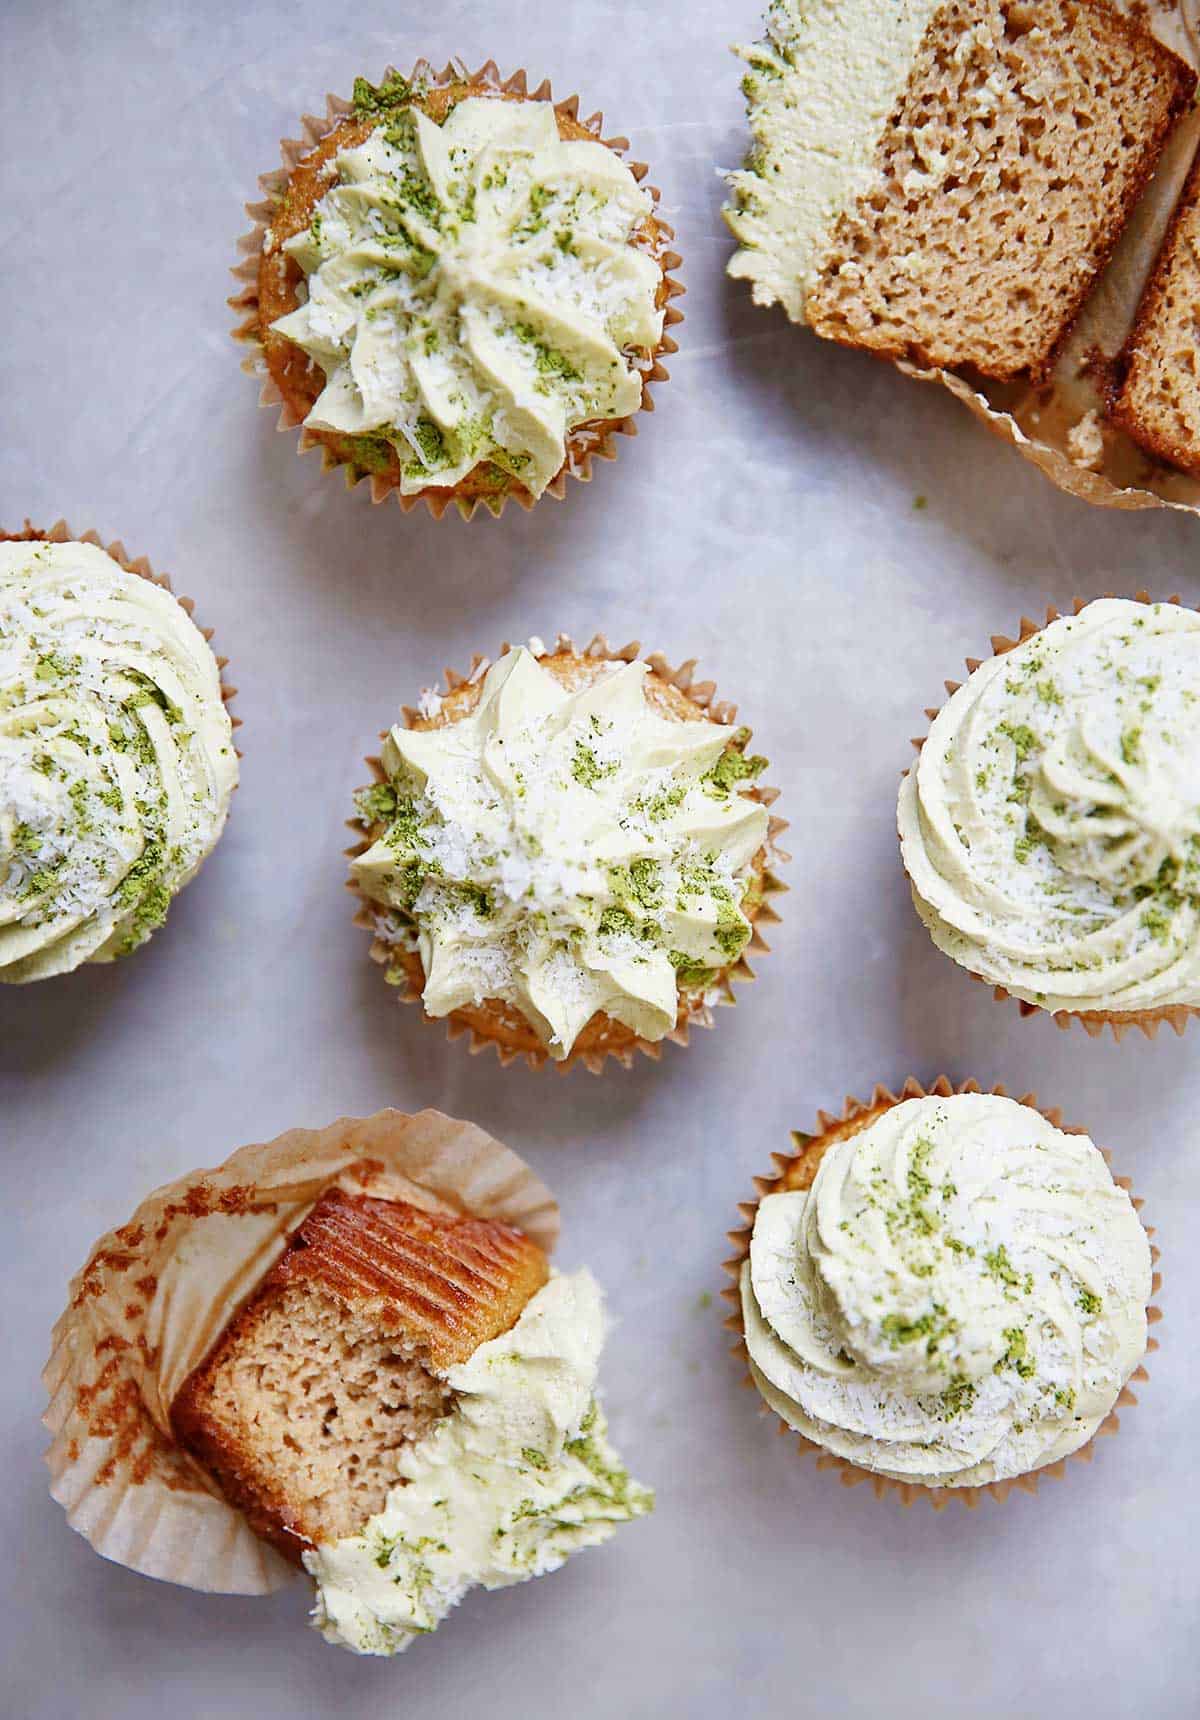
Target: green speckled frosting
point(116, 757)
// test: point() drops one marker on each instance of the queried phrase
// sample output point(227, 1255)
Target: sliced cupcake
point(393, 1392)
point(117, 761)
point(1051, 826)
point(943, 182)
point(567, 855)
point(944, 1290)
point(458, 288)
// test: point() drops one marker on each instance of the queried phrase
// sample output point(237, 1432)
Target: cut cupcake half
point(458, 289)
point(319, 1350)
point(943, 180)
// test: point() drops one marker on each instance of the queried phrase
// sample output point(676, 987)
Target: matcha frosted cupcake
point(944, 1291)
point(1050, 828)
point(457, 288)
point(567, 854)
point(117, 760)
point(346, 1351)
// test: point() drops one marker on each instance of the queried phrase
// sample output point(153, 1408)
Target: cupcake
point(944, 1291)
point(566, 855)
point(117, 760)
point(457, 288)
point(341, 1352)
point(1050, 829)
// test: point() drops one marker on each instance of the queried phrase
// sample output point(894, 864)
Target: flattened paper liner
point(61, 532)
point(1093, 1021)
point(156, 1293)
point(696, 1008)
point(584, 445)
point(796, 1170)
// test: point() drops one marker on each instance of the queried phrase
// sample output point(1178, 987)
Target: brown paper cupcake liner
point(696, 1009)
point(586, 444)
point(156, 1293)
point(60, 532)
point(1093, 1021)
point(796, 1170)
point(1062, 425)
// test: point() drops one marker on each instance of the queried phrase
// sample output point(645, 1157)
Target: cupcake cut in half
point(403, 1402)
point(567, 854)
point(1051, 827)
point(943, 180)
point(944, 1290)
point(458, 288)
point(117, 760)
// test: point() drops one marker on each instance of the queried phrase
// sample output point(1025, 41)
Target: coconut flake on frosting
point(474, 291)
point(958, 1299)
point(116, 757)
point(566, 853)
point(1051, 827)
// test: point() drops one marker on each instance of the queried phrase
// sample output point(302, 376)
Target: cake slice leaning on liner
point(322, 1347)
point(942, 180)
point(1157, 401)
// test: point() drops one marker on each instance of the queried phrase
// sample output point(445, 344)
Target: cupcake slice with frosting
point(567, 857)
point(344, 1353)
point(117, 761)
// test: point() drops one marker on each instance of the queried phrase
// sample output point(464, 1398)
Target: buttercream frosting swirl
point(475, 291)
point(1051, 828)
point(958, 1299)
point(517, 1477)
point(116, 757)
point(565, 852)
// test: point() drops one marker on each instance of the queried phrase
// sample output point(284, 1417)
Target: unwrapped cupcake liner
point(1093, 1021)
point(1060, 425)
point(696, 1008)
point(156, 1293)
point(60, 532)
point(796, 1170)
point(586, 444)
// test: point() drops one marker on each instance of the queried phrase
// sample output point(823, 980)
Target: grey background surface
point(765, 521)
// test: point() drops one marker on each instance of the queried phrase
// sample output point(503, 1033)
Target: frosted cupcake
point(117, 760)
point(566, 855)
point(346, 1351)
point(944, 1291)
point(458, 289)
point(1051, 827)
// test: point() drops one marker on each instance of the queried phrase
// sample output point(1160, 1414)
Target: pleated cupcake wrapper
point(1093, 1021)
point(809, 1150)
point(1043, 421)
point(156, 1293)
point(700, 1005)
point(584, 445)
point(61, 532)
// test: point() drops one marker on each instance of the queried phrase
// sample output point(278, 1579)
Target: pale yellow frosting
point(958, 1299)
point(517, 1477)
point(1051, 828)
point(565, 852)
point(474, 292)
point(820, 90)
point(116, 757)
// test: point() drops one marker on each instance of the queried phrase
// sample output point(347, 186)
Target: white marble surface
point(765, 522)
